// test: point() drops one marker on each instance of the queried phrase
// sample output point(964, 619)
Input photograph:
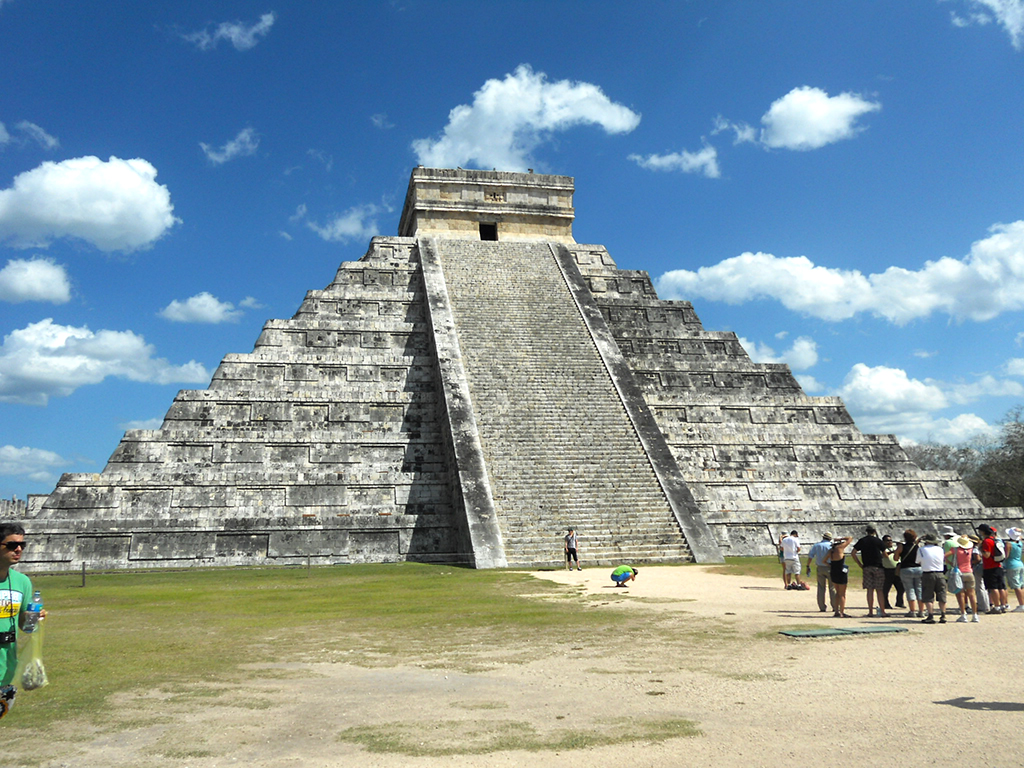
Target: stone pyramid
point(464, 393)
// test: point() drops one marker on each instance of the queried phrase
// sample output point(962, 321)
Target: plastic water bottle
point(32, 611)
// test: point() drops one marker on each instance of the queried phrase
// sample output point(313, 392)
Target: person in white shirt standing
point(791, 561)
point(933, 582)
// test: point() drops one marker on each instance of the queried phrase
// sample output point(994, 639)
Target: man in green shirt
point(624, 573)
point(15, 594)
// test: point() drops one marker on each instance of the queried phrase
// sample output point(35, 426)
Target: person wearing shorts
point(933, 582)
point(624, 573)
point(571, 550)
point(961, 557)
point(870, 547)
point(791, 562)
point(838, 569)
point(993, 574)
point(910, 573)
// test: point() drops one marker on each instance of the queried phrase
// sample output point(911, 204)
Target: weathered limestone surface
point(465, 392)
point(758, 454)
point(326, 442)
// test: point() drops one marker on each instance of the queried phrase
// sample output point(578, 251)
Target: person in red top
point(993, 575)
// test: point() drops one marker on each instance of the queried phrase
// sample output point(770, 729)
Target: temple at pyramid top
point(467, 391)
point(488, 205)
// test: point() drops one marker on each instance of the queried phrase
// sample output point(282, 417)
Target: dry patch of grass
point(476, 737)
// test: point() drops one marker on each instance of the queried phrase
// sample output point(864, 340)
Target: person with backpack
point(993, 552)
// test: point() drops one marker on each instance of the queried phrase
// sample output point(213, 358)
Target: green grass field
point(127, 632)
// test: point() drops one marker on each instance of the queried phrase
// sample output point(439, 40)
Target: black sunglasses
point(13, 545)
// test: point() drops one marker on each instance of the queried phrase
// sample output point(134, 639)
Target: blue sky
point(839, 183)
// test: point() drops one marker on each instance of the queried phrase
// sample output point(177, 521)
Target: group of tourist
point(980, 571)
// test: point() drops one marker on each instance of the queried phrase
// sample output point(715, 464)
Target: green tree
point(993, 469)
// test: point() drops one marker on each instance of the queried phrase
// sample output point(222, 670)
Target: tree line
point(993, 467)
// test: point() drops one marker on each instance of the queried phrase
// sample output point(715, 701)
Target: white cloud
point(114, 205)
point(38, 135)
point(509, 118)
point(250, 302)
point(202, 308)
point(380, 120)
point(800, 285)
point(808, 383)
point(326, 160)
point(801, 355)
point(886, 400)
point(34, 280)
point(705, 161)
point(356, 223)
point(920, 427)
point(982, 285)
point(882, 390)
point(808, 118)
point(46, 360)
point(241, 35)
point(985, 386)
point(243, 145)
point(744, 132)
point(34, 463)
point(5, 137)
point(1015, 366)
point(1009, 14)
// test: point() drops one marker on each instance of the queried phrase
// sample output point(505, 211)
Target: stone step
point(555, 435)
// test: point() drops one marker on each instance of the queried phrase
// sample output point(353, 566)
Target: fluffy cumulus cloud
point(887, 400)
point(1009, 14)
point(34, 280)
point(704, 162)
point(358, 223)
point(243, 145)
point(980, 286)
point(808, 118)
point(240, 34)
point(45, 360)
point(509, 118)
point(202, 308)
point(116, 205)
point(801, 355)
point(880, 389)
point(34, 463)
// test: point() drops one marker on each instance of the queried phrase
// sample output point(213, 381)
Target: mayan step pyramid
point(464, 393)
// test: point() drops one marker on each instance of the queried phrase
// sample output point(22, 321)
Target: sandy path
point(946, 694)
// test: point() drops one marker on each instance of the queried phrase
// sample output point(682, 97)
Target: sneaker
point(992, 611)
point(942, 619)
point(1002, 608)
point(910, 615)
point(975, 620)
point(920, 614)
point(1018, 609)
point(962, 619)
point(929, 620)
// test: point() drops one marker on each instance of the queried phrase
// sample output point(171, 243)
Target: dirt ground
point(932, 696)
